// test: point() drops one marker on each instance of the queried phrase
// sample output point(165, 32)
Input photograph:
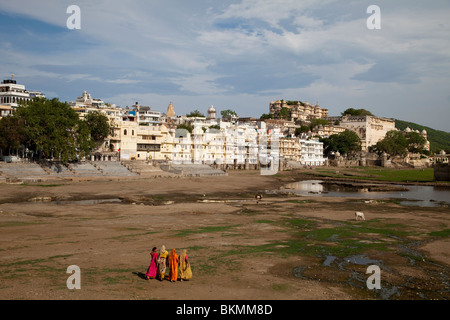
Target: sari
point(153, 267)
point(185, 267)
point(173, 265)
point(162, 262)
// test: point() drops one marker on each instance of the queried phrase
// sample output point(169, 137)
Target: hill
point(439, 140)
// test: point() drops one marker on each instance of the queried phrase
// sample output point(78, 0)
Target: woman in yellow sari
point(162, 262)
point(173, 266)
point(185, 267)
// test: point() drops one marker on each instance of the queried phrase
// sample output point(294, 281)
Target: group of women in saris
point(177, 264)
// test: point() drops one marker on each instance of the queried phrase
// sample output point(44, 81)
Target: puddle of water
point(361, 260)
point(329, 260)
point(426, 196)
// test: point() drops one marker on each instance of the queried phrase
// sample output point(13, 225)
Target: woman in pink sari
point(153, 268)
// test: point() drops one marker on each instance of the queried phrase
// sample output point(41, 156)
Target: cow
point(359, 216)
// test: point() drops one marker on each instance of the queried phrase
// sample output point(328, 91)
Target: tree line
point(52, 130)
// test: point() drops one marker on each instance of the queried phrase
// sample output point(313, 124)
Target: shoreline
point(299, 174)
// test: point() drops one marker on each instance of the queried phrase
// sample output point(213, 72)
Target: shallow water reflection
point(427, 196)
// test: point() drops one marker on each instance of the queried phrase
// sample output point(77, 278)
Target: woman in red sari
point(173, 266)
point(153, 267)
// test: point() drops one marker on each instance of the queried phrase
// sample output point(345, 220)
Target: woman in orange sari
point(173, 266)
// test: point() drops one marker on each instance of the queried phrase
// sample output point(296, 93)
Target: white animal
point(359, 216)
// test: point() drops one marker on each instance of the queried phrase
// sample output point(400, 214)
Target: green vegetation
point(346, 143)
point(33, 262)
point(215, 126)
point(285, 113)
point(398, 143)
point(266, 116)
point(302, 129)
point(188, 232)
point(131, 236)
point(357, 112)
point(442, 233)
point(318, 122)
point(228, 113)
point(195, 113)
point(99, 126)
point(293, 103)
point(41, 185)
point(187, 127)
point(439, 140)
point(50, 129)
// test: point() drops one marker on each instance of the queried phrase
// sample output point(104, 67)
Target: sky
point(237, 55)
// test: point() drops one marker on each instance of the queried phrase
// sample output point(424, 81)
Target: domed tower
point(212, 114)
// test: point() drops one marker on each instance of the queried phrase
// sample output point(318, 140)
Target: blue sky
point(236, 55)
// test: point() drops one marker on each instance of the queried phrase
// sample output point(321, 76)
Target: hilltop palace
point(141, 133)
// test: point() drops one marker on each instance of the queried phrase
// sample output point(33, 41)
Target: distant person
point(153, 267)
point(185, 267)
point(162, 262)
point(173, 265)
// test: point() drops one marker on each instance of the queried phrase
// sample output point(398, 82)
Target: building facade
point(370, 129)
point(12, 94)
point(299, 111)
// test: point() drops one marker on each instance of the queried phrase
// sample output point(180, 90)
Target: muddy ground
point(285, 247)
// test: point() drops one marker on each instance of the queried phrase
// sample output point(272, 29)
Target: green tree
point(53, 129)
point(188, 127)
point(99, 126)
point(285, 113)
point(416, 142)
point(195, 113)
point(302, 129)
point(394, 143)
point(12, 134)
point(265, 116)
point(228, 113)
point(215, 126)
point(292, 103)
point(439, 140)
point(357, 112)
point(318, 122)
point(346, 142)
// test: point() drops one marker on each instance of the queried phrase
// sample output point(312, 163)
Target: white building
point(312, 153)
point(370, 129)
point(85, 104)
point(11, 94)
point(146, 116)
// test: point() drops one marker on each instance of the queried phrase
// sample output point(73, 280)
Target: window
point(125, 132)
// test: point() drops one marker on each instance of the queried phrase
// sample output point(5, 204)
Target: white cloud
point(204, 50)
